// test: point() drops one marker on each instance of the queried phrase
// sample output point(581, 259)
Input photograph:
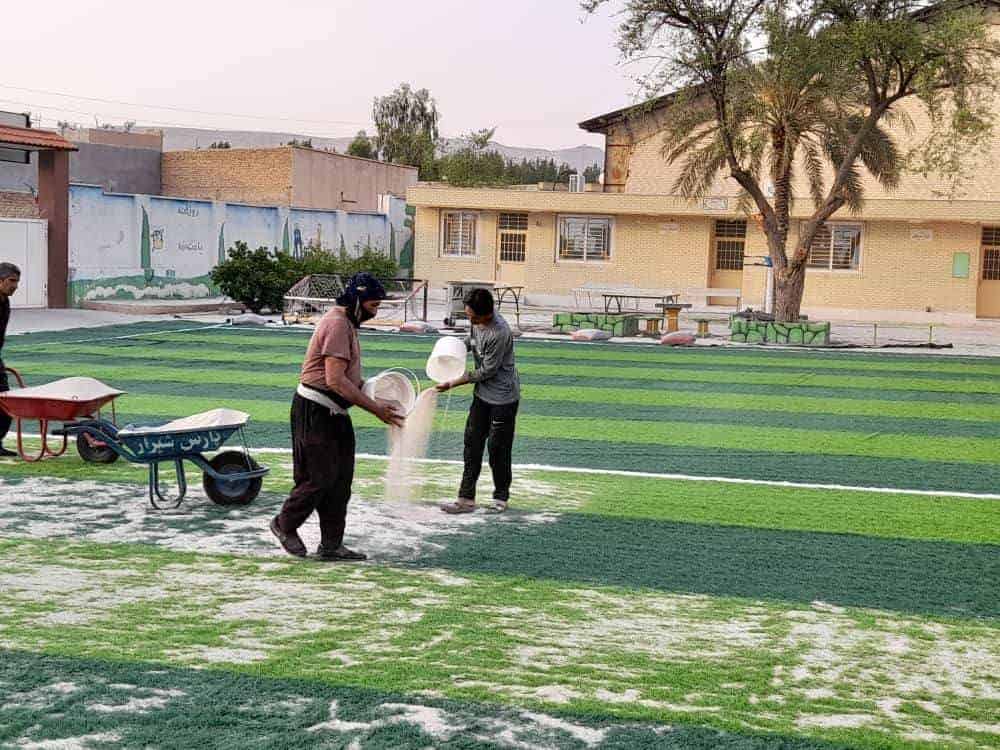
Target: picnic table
point(671, 313)
point(617, 298)
point(514, 292)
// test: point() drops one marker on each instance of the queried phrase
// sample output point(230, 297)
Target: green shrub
point(260, 278)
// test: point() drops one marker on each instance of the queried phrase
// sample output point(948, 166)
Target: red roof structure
point(33, 140)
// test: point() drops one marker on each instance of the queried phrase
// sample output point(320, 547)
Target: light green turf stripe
point(624, 432)
point(898, 516)
point(527, 349)
point(596, 372)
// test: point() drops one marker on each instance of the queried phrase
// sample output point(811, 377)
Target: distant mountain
point(184, 139)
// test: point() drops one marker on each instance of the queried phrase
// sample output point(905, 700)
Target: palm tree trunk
point(789, 284)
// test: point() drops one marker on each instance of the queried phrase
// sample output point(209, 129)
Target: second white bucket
point(392, 385)
point(447, 360)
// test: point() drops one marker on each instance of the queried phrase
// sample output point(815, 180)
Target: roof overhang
point(29, 139)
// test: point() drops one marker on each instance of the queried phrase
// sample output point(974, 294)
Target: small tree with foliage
point(362, 146)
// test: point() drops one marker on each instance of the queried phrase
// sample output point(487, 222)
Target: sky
point(532, 68)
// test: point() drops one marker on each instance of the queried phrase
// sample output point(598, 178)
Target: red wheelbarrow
point(59, 401)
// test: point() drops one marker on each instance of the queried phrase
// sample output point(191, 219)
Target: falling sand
point(407, 445)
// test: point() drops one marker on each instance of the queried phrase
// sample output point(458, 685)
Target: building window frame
point(512, 237)
point(463, 251)
point(829, 266)
point(604, 258)
point(734, 232)
point(990, 253)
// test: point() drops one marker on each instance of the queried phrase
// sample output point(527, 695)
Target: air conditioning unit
point(577, 183)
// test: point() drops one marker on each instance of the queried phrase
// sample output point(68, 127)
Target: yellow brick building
point(910, 255)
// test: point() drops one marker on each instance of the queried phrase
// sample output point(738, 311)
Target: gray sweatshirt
point(495, 375)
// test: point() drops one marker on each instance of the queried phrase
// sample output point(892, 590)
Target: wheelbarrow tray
point(184, 437)
point(58, 401)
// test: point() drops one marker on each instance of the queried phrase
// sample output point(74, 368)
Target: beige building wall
point(647, 252)
point(237, 175)
point(321, 179)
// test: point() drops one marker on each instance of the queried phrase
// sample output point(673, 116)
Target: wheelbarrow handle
point(17, 376)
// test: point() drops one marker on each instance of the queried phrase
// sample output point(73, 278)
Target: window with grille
point(730, 243)
point(836, 247)
point(584, 238)
point(991, 253)
point(513, 237)
point(458, 233)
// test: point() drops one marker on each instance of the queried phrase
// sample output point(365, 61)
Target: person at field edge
point(323, 444)
point(495, 400)
point(10, 277)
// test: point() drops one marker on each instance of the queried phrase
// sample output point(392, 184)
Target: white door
point(24, 242)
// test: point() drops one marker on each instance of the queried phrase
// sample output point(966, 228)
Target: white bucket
point(393, 385)
point(447, 360)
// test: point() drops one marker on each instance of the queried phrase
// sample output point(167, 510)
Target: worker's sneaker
point(462, 505)
point(291, 542)
point(4, 453)
point(340, 553)
point(499, 506)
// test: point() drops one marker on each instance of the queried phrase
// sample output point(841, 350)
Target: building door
point(988, 296)
point(728, 245)
point(512, 248)
point(24, 242)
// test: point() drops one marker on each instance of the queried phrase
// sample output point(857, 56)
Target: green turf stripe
point(791, 509)
point(625, 433)
point(944, 579)
point(972, 417)
point(219, 709)
point(595, 373)
point(44, 368)
point(554, 350)
point(500, 638)
point(535, 405)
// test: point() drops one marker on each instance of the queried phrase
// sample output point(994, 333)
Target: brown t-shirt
point(335, 336)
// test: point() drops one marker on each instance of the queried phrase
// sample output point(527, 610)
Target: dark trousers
point(492, 426)
point(323, 463)
point(4, 417)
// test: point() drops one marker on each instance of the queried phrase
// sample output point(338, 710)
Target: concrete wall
point(116, 168)
point(142, 246)
point(325, 180)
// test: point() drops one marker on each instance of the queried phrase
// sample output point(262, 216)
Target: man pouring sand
point(493, 413)
point(323, 444)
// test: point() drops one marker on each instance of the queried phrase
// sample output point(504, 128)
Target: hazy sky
point(533, 68)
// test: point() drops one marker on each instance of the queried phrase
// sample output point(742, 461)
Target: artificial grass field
point(605, 610)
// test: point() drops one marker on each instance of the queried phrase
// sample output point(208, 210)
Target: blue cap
point(361, 287)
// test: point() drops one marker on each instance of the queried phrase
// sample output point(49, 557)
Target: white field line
point(678, 477)
point(137, 335)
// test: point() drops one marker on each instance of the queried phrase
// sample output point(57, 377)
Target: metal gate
point(24, 242)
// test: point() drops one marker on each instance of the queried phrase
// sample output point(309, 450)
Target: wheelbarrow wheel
point(94, 454)
point(237, 491)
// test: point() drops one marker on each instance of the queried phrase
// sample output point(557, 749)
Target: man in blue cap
point(322, 432)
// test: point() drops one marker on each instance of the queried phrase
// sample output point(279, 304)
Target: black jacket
point(4, 318)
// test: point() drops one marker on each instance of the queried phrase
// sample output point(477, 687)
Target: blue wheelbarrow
point(231, 477)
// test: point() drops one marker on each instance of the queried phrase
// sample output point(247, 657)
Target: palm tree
point(793, 117)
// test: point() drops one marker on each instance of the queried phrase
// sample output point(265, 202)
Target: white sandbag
point(591, 334)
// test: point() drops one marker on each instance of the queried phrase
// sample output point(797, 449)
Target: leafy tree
point(304, 143)
point(765, 91)
point(260, 278)
point(406, 124)
point(593, 173)
point(362, 146)
point(220, 145)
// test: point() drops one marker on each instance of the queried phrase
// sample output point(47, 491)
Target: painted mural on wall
point(150, 247)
